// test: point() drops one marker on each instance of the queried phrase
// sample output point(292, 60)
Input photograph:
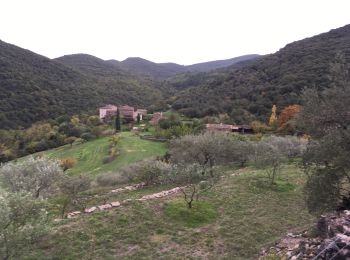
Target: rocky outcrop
point(329, 239)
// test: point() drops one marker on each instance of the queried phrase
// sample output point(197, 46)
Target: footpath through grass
point(89, 155)
point(243, 215)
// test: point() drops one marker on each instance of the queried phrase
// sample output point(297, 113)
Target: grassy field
point(90, 155)
point(245, 214)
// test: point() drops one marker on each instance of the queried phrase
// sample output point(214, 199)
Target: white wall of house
point(103, 113)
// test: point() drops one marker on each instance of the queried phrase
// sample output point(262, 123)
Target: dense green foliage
point(249, 92)
point(325, 116)
point(165, 70)
point(54, 133)
point(22, 224)
point(34, 88)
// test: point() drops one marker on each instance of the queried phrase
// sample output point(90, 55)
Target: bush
point(67, 163)
point(151, 173)
point(87, 136)
point(106, 159)
point(148, 171)
point(109, 179)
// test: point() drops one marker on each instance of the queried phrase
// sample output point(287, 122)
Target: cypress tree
point(138, 118)
point(117, 122)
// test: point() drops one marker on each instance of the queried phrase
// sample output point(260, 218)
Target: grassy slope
point(90, 155)
point(250, 216)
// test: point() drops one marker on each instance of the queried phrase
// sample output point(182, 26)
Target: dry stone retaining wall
point(117, 203)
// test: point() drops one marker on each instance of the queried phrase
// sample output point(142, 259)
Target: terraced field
point(90, 155)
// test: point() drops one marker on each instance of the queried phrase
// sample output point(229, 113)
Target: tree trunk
point(189, 204)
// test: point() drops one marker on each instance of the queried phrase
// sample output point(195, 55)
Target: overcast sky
point(181, 31)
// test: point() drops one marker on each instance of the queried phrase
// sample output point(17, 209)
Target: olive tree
point(325, 116)
point(191, 180)
point(23, 221)
point(37, 176)
point(271, 152)
point(207, 150)
point(70, 188)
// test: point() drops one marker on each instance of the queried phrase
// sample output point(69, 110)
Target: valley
point(239, 158)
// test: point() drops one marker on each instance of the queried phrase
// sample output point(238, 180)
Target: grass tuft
point(200, 214)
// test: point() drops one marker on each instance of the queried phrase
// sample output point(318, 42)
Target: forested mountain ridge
point(213, 65)
point(163, 71)
point(34, 88)
point(249, 92)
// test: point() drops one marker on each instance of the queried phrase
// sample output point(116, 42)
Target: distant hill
point(166, 70)
point(213, 65)
point(33, 87)
point(249, 92)
point(151, 69)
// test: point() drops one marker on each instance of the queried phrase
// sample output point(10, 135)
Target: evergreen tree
point(117, 122)
point(138, 118)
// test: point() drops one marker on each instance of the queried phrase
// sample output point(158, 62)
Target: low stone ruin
point(130, 188)
point(117, 203)
point(161, 194)
point(330, 239)
point(73, 214)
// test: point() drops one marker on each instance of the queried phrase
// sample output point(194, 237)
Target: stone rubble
point(117, 203)
point(105, 206)
point(90, 210)
point(331, 240)
point(73, 214)
point(161, 194)
point(130, 188)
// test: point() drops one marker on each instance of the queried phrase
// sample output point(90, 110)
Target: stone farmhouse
point(127, 112)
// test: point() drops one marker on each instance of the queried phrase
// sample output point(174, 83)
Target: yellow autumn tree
point(273, 117)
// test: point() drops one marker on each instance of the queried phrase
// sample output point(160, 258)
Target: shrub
point(106, 159)
point(70, 140)
point(114, 140)
point(109, 179)
point(67, 163)
point(87, 136)
point(153, 172)
point(148, 171)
